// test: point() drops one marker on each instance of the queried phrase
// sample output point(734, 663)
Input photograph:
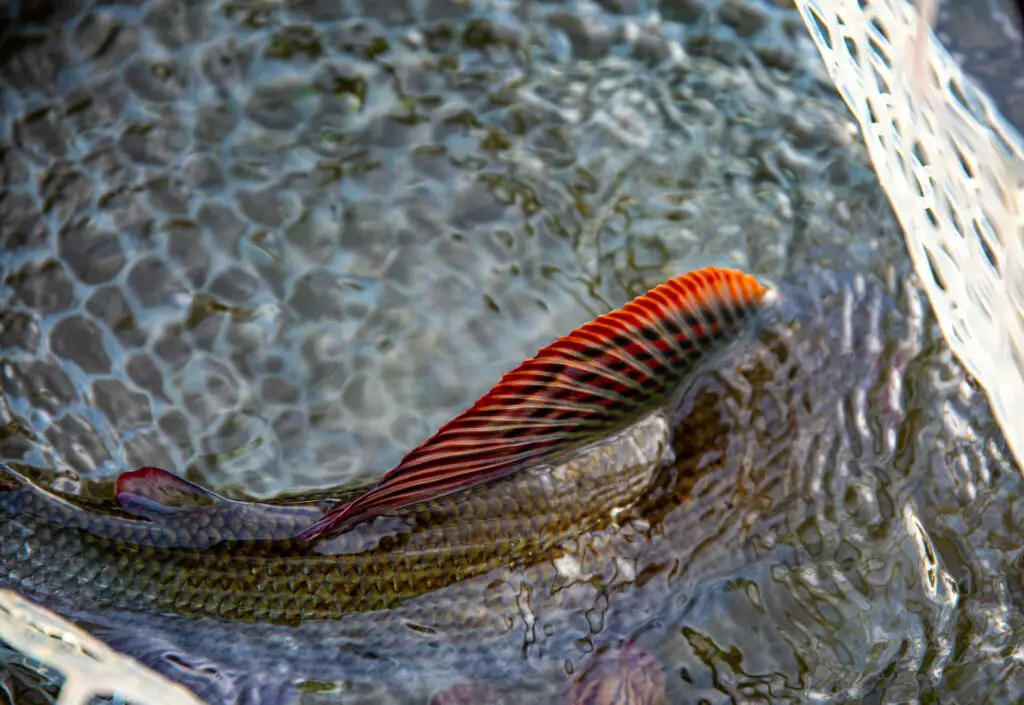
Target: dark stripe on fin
point(594, 380)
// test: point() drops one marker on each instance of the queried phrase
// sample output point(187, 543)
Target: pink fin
point(156, 486)
point(600, 376)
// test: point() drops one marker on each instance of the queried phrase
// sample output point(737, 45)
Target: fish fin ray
point(599, 376)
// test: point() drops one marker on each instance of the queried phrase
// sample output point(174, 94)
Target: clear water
point(986, 38)
point(273, 245)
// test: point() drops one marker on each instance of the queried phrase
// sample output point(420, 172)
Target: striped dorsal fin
point(595, 379)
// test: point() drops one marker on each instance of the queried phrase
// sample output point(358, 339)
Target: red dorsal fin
point(599, 377)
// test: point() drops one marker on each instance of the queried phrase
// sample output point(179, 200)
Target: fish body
point(412, 590)
point(514, 582)
point(241, 561)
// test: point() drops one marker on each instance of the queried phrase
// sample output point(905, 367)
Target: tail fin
point(597, 378)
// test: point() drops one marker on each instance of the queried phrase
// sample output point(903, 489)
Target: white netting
point(89, 667)
point(953, 169)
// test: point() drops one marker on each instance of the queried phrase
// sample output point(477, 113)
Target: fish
point(593, 380)
point(498, 583)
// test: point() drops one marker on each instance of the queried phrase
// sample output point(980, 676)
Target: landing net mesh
point(89, 667)
point(953, 169)
point(951, 166)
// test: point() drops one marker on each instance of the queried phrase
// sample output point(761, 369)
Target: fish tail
point(591, 381)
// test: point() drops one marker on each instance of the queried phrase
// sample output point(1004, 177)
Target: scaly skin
point(500, 584)
point(236, 561)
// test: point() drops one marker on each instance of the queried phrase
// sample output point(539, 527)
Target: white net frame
point(953, 169)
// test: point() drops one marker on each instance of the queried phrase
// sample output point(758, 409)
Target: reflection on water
point(274, 245)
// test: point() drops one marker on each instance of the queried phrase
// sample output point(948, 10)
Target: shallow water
point(987, 38)
point(272, 246)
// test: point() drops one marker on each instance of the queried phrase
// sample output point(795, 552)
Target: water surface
point(274, 245)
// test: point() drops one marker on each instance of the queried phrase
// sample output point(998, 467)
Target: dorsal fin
point(153, 489)
point(599, 377)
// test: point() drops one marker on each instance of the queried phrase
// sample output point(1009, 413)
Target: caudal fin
point(599, 377)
